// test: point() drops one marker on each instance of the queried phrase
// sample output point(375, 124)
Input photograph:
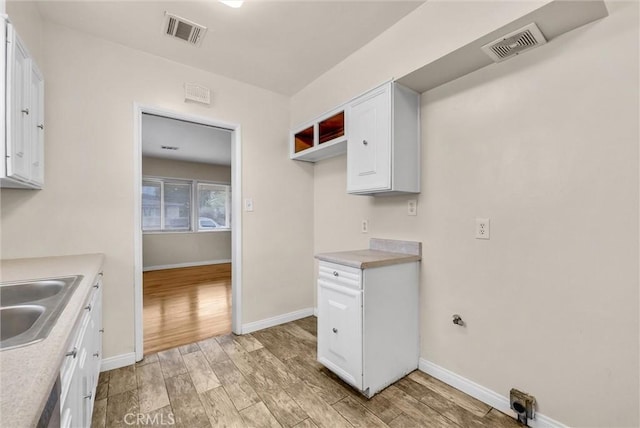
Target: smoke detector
point(512, 44)
point(183, 29)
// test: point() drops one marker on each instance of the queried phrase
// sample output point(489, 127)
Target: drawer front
point(340, 275)
point(340, 331)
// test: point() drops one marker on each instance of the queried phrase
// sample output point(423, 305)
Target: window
point(214, 201)
point(167, 205)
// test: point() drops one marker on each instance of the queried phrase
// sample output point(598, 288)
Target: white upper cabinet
point(23, 149)
point(37, 126)
point(321, 138)
point(383, 149)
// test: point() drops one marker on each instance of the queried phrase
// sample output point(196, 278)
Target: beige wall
point(88, 202)
point(546, 146)
point(163, 249)
point(180, 169)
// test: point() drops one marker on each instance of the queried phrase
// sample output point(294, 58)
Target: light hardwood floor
point(270, 379)
point(185, 305)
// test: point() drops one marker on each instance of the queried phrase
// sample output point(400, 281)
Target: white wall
point(88, 201)
point(165, 249)
point(546, 146)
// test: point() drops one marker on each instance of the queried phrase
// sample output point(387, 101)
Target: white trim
point(315, 312)
point(118, 361)
point(236, 215)
point(483, 394)
point(277, 320)
point(187, 264)
point(137, 233)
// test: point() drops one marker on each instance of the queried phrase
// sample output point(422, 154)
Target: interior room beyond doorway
point(186, 225)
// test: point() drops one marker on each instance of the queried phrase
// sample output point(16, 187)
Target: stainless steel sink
point(15, 320)
point(30, 309)
point(31, 291)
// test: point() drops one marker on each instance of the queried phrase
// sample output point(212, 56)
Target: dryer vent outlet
point(523, 404)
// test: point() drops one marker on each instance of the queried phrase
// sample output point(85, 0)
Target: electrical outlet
point(412, 207)
point(482, 228)
point(364, 228)
point(248, 204)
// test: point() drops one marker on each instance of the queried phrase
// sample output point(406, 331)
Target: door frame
point(236, 215)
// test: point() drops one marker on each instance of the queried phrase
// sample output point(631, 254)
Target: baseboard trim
point(277, 320)
point(117, 361)
point(188, 264)
point(483, 394)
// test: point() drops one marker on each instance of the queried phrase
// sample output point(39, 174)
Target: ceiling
point(195, 142)
point(277, 45)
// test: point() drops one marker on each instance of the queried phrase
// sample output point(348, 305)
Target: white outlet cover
point(248, 204)
point(483, 228)
point(412, 207)
point(364, 228)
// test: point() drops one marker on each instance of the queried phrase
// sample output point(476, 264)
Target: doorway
point(187, 279)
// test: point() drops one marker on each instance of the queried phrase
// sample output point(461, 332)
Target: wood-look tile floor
point(271, 379)
point(185, 305)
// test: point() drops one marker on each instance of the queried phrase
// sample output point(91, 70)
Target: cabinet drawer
point(340, 275)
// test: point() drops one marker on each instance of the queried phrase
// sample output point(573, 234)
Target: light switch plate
point(248, 204)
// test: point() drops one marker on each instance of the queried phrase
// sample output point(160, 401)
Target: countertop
point(383, 252)
point(28, 373)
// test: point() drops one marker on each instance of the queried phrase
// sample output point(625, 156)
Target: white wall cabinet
point(321, 138)
point(23, 150)
point(368, 323)
point(383, 150)
point(81, 367)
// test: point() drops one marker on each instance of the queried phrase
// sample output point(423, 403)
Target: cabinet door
point(369, 145)
point(340, 331)
point(18, 120)
point(96, 332)
point(37, 126)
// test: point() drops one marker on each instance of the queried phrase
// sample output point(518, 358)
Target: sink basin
point(16, 320)
point(30, 309)
point(31, 291)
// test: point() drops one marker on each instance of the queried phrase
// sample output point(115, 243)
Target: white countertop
point(28, 373)
point(365, 259)
point(381, 252)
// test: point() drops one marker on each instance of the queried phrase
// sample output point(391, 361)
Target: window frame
point(194, 207)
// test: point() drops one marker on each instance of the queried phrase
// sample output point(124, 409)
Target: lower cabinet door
point(340, 331)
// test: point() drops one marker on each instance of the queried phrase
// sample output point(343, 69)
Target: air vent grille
point(515, 43)
point(197, 93)
point(183, 29)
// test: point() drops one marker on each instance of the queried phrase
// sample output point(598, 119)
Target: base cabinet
point(368, 323)
point(81, 367)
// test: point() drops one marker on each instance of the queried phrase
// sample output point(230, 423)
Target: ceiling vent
point(183, 29)
point(512, 44)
